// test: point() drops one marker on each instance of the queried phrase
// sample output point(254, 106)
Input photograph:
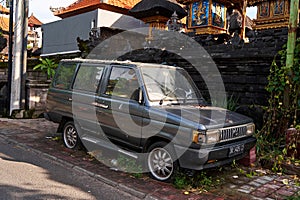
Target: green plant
point(129, 165)
point(181, 181)
point(284, 87)
point(47, 66)
point(199, 181)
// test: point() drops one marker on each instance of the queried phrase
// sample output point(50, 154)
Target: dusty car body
point(149, 109)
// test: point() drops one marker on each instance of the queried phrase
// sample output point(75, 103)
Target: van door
point(59, 98)
point(85, 89)
point(119, 111)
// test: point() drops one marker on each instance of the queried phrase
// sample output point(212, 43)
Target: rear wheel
point(161, 161)
point(70, 136)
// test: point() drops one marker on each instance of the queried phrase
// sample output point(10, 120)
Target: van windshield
point(170, 85)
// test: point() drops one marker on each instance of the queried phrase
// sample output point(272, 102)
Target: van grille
point(233, 132)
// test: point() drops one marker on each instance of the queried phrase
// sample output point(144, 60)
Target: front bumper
point(198, 159)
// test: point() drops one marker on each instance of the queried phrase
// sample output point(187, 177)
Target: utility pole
point(20, 56)
point(10, 56)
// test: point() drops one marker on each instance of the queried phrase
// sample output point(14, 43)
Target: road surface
point(26, 175)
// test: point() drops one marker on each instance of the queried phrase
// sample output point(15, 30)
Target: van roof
point(127, 62)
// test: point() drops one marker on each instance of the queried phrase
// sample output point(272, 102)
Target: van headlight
point(209, 137)
point(213, 136)
point(250, 129)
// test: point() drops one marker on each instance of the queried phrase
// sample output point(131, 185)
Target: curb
point(58, 161)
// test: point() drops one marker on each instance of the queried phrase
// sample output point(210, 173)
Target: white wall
point(60, 37)
point(116, 20)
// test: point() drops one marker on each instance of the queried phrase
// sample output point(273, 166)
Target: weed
point(181, 181)
point(129, 165)
point(251, 174)
point(199, 181)
point(281, 113)
point(297, 197)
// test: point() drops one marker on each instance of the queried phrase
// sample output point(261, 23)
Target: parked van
point(145, 109)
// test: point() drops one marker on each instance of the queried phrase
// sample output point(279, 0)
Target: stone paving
point(39, 136)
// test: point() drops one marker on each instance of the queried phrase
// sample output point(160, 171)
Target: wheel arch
point(62, 123)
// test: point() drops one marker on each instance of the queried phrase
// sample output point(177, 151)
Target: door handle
point(100, 105)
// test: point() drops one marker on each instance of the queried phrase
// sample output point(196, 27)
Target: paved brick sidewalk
point(39, 136)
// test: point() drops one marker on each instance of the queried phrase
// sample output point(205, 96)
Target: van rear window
point(64, 75)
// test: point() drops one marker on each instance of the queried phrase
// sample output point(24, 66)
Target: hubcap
point(160, 164)
point(70, 137)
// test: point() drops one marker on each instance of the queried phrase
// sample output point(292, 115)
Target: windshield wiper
point(167, 95)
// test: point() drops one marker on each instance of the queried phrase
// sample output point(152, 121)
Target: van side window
point(88, 77)
point(64, 75)
point(122, 83)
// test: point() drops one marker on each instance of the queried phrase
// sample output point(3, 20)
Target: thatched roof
point(147, 8)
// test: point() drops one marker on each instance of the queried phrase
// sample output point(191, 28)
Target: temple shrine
point(203, 17)
point(157, 12)
point(271, 14)
point(211, 16)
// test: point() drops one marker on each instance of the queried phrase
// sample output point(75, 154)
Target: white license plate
point(237, 149)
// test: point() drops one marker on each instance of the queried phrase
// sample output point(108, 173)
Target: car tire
point(161, 162)
point(70, 136)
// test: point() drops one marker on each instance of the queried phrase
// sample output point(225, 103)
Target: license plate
point(235, 150)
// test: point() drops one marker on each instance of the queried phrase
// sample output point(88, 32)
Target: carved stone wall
point(244, 68)
point(35, 90)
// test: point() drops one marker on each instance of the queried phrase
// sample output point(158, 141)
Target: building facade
point(60, 37)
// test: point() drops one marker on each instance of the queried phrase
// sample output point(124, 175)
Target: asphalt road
point(25, 175)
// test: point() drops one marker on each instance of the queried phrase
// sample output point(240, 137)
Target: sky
point(41, 9)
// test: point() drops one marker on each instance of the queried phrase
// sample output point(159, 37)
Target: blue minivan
point(145, 110)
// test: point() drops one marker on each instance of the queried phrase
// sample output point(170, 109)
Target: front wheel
point(70, 136)
point(161, 161)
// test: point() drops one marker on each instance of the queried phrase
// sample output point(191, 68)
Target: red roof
point(4, 23)
point(34, 22)
point(82, 6)
point(4, 9)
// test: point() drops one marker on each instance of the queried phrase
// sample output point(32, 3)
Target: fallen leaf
point(285, 181)
point(252, 165)
point(261, 171)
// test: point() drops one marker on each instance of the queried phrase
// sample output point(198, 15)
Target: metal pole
point(294, 6)
point(24, 54)
point(10, 56)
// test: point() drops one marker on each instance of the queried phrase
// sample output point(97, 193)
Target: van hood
point(210, 117)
